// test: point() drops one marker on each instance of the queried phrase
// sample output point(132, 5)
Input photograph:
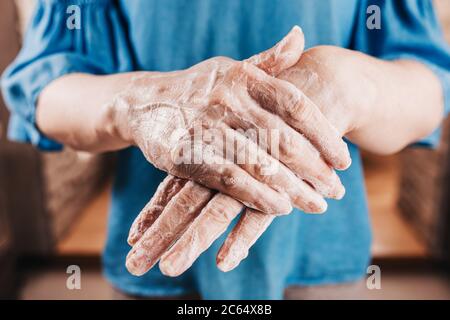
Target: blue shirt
point(117, 36)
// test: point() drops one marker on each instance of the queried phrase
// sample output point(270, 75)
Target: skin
point(375, 104)
point(327, 94)
point(152, 109)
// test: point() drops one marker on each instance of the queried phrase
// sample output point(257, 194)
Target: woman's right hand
point(185, 122)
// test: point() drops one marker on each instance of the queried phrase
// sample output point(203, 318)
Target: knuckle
point(221, 210)
point(238, 68)
point(216, 62)
point(298, 109)
point(219, 96)
point(187, 170)
point(313, 207)
point(231, 179)
point(222, 60)
point(243, 68)
point(218, 214)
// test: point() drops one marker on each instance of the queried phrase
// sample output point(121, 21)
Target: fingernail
point(284, 205)
point(132, 238)
point(347, 160)
point(322, 206)
point(133, 266)
point(229, 258)
point(138, 263)
point(286, 208)
point(340, 192)
point(336, 191)
point(347, 163)
point(297, 28)
point(226, 265)
point(168, 267)
point(276, 203)
point(316, 205)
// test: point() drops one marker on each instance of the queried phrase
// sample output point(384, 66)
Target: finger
point(165, 192)
point(281, 141)
point(249, 228)
point(173, 221)
point(285, 100)
point(269, 171)
point(207, 227)
point(223, 175)
point(295, 152)
point(283, 55)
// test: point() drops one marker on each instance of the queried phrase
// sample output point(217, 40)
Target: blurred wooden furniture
point(393, 236)
point(443, 11)
point(88, 233)
point(425, 182)
point(7, 258)
point(425, 194)
point(9, 45)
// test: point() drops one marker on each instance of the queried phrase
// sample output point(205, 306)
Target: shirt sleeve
point(409, 30)
point(54, 46)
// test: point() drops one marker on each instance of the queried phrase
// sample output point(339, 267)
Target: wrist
point(114, 122)
point(365, 97)
point(112, 125)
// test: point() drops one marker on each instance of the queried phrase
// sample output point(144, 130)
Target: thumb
point(283, 55)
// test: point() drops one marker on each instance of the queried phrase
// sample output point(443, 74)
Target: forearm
point(405, 104)
point(77, 111)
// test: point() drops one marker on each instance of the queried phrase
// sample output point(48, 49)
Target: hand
point(338, 81)
point(161, 113)
point(165, 218)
